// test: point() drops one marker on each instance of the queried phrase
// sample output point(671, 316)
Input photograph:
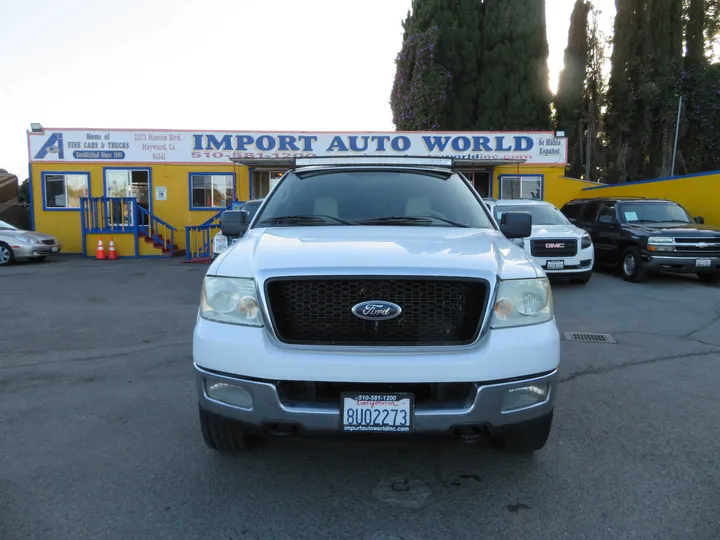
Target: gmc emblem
point(554, 246)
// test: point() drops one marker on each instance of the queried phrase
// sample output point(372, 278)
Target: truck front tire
point(523, 438)
point(222, 434)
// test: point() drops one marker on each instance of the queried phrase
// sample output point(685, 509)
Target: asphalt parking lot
point(100, 437)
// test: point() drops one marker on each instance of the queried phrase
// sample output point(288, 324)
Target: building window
point(263, 182)
point(64, 190)
point(211, 190)
point(521, 187)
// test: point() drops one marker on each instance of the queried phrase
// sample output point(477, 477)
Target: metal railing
point(198, 238)
point(161, 232)
point(108, 214)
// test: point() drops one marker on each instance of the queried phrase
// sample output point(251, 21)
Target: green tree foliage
point(514, 94)
point(571, 100)
point(452, 72)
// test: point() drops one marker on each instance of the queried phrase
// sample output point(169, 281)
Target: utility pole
point(677, 132)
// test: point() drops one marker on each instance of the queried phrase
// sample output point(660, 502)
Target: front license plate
point(54, 250)
point(555, 265)
point(391, 413)
point(703, 263)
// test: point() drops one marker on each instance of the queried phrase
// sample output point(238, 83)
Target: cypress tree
point(570, 101)
point(514, 94)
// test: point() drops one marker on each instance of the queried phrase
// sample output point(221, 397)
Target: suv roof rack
point(348, 161)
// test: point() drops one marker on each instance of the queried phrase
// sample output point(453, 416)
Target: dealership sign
point(76, 145)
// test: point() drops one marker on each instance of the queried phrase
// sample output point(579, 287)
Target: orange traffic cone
point(100, 250)
point(112, 255)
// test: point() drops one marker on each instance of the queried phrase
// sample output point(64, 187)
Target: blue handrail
point(108, 214)
point(159, 230)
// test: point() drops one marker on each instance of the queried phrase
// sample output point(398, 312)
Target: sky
point(325, 65)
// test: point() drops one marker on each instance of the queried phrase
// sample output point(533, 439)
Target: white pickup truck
point(375, 296)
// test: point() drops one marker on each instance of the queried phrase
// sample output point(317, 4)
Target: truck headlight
point(660, 243)
point(230, 300)
point(586, 241)
point(521, 302)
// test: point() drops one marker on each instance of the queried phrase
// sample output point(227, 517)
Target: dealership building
point(161, 192)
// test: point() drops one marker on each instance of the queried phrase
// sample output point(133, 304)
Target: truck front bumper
point(258, 403)
point(683, 264)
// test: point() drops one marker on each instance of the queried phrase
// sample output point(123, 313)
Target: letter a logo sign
point(54, 145)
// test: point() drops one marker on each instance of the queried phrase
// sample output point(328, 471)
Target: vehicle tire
point(222, 434)
point(38, 259)
point(631, 266)
point(524, 438)
point(584, 280)
point(6, 254)
point(712, 277)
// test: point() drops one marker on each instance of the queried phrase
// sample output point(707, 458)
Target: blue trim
point(663, 179)
point(251, 170)
point(542, 184)
point(149, 171)
point(190, 188)
point(31, 198)
point(43, 174)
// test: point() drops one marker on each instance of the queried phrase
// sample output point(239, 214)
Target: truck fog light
point(525, 396)
point(228, 393)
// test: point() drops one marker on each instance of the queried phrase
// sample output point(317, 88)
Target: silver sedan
point(17, 244)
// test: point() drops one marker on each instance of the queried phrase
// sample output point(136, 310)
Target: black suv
point(640, 235)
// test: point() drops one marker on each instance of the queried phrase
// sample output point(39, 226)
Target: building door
point(480, 179)
point(263, 181)
point(128, 183)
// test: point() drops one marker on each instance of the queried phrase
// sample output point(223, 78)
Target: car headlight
point(230, 300)
point(220, 243)
point(27, 240)
point(521, 302)
point(660, 243)
point(586, 241)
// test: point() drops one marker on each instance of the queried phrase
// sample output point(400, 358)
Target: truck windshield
point(542, 214)
point(653, 212)
point(373, 197)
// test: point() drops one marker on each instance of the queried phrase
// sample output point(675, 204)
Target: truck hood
point(408, 250)
point(676, 229)
point(555, 231)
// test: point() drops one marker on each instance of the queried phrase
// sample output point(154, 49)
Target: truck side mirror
point(700, 220)
point(516, 224)
point(606, 220)
point(234, 222)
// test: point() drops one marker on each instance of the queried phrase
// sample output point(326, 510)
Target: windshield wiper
point(314, 218)
point(409, 219)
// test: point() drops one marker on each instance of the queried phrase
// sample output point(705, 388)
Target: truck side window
point(607, 213)
point(572, 211)
point(590, 212)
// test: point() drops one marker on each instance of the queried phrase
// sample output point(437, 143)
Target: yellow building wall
point(699, 194)
point(124, 244)
point(66, 225)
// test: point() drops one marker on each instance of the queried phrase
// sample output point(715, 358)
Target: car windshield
point(374, 197)
point(542, 214)
point(653, 212)
point(6, 226)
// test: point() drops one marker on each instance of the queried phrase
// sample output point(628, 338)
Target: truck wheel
point(632, 267)
point(6, 254)
point(221, 434)
point(713, 277)
point(524, 438)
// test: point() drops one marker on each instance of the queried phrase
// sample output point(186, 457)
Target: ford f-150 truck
point(376, 296)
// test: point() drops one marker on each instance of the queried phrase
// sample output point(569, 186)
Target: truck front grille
point(317, 310)
point(554, 247)
point(698, 246)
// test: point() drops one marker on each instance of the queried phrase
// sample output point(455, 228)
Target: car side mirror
point(606, 220)
point(234, 222)
point(700, 220)
point(516, 224)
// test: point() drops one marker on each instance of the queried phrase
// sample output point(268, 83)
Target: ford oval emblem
point(376, 310)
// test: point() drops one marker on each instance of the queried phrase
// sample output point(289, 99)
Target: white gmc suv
point(376, 296)
point(561, 248)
